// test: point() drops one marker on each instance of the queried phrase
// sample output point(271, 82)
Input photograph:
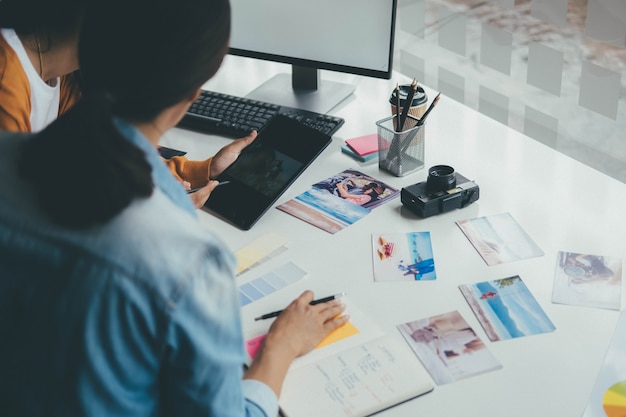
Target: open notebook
point(356, 371)
point(357, 382)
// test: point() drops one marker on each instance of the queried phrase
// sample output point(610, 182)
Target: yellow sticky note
point(258, 250)
point(338, 334)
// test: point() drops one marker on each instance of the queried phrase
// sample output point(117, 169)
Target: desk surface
point(561, 203)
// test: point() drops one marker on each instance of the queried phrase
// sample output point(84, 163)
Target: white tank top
point(44, 99)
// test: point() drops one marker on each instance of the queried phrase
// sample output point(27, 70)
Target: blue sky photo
point(511, 310)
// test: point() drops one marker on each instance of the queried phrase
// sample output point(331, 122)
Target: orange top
point(15, 109)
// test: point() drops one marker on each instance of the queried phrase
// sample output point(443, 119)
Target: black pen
point(318, 301)
point(407, 104)
point(193, 190)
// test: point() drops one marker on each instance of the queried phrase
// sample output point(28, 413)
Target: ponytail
point(84, 171)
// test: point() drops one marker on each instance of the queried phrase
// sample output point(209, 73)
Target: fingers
point(305, 298)
point(247, 140)
point(229, 153)
point(240, 144)
point(200, 197)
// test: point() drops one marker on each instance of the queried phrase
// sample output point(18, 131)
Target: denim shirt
point(138, 317)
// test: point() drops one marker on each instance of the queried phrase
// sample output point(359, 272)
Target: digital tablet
point(264, 170)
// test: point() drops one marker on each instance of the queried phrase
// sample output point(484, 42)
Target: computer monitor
point(351, 36)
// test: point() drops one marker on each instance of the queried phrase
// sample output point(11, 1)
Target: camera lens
point(440, 178)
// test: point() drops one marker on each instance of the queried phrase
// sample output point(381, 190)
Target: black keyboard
point(235, 117)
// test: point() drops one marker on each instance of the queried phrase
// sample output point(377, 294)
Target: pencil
point(318, 301)
point(432, 106)
point(407, 104)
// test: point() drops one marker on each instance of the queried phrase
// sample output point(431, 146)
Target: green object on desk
point(346, 149)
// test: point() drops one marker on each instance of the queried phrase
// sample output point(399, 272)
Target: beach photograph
point(324, 210)
point(499, 238)
point(403, 257)
point(506, 309)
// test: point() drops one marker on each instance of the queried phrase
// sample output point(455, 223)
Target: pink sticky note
point(253, 345)
point(364, 145)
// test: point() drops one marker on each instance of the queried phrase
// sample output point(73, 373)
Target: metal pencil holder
point(400, 153)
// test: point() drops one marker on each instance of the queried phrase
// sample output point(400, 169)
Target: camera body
point(444, 190)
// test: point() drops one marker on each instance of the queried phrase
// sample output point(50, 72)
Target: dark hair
point(137, 58)
point(45, 17)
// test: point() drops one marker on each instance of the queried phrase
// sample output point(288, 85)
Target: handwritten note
point(356, 382)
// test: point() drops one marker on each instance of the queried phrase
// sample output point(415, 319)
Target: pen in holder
point(400, 153)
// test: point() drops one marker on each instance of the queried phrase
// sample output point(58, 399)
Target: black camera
point(444, 190)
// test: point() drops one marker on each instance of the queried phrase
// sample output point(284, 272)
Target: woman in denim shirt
point(114, 300)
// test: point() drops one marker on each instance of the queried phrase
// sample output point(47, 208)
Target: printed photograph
point(358, 188)
point(337, 202)
point(403, 257)
point(499, 239)
point(588, 281)
point(448, 347)
point(324, 210)
point(506, 308)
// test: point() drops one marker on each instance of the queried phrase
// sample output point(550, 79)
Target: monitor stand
point(302, 90)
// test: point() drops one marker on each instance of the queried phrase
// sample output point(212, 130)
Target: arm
point(15, 104)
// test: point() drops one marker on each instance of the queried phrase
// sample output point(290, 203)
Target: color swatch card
point(608, 396)
point(506, 309)
point(269, 283)
point(259, 250)
point(448, 347)
point(588, 281)
point(403, 257)
point(499, 239)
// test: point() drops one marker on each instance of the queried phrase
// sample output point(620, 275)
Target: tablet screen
point(264, 170)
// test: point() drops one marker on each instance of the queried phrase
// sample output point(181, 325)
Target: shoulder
point(14, 91)
point(166, 248)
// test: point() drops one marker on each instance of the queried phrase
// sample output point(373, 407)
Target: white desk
point(561, 203)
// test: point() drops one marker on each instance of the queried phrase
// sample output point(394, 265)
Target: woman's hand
point(229, 153)
point(200, 196)
point(302, 326)
point(296, 331)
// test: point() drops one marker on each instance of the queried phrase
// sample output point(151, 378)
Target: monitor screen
point(350, 36)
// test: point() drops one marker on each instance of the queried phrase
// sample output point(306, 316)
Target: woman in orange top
point(39, 80)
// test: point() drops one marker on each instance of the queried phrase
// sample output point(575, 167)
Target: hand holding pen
point(314, 302)
point(296, 331)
